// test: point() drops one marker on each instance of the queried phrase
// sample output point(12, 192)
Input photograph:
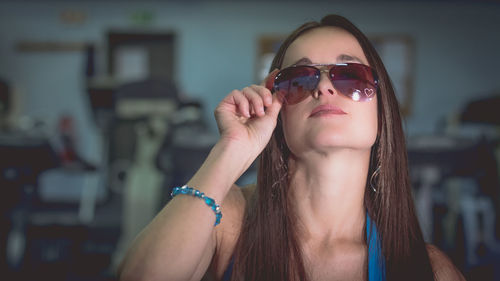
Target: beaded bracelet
point(193, 192)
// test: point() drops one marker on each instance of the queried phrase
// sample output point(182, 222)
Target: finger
point(264, 93)
point(255, 100)
point(252, 111)
point(241, 103)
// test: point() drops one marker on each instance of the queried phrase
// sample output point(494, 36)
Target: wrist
point(226, 162)
point(237, 156)
point(245, 150)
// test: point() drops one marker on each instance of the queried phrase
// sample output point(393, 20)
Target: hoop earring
point(282, 168)
point(372, 179)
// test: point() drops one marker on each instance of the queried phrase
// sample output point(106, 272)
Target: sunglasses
point(354, 80)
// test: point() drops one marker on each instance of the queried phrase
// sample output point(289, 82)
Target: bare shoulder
point(443, 267)
point(228, 231)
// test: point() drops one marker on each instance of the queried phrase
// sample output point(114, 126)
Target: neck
point(329, 193)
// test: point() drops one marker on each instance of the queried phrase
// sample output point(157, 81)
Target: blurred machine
point(154, 140)
point(457, 185)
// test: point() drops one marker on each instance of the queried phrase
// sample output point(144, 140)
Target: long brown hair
point(268, 247)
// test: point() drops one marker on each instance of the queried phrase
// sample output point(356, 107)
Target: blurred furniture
point(482, 111)
point(46, 234)
point(483, 114)
point(5, 100)
point(454, 173)
point(456, 179)
point(24, 158)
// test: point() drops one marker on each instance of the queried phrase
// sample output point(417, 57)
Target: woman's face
point(305, 131)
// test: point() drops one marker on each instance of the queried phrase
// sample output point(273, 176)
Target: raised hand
point(248, 116)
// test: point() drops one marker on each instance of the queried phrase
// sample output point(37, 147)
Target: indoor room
point(107, 106)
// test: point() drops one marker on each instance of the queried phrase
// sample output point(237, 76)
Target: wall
point(457, 49)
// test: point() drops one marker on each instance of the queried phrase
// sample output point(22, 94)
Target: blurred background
point(106, 105)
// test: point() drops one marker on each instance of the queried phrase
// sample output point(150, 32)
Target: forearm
point(181, 237)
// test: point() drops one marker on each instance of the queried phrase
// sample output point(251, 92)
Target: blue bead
point(210, 202)
point(175, 191)
point(218, 217)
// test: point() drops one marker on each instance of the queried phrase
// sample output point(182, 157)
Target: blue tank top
point(376, 263)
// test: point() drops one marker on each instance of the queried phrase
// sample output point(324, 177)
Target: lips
point(327, 109)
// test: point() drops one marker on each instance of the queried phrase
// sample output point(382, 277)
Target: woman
point(333, 199)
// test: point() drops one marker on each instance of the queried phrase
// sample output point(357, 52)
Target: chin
point(336, 140)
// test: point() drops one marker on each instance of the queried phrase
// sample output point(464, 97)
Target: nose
point(325, 86)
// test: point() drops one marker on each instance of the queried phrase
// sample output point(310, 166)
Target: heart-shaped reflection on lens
point(369, 92)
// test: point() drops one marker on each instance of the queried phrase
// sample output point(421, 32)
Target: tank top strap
point(229, 270)
point(376, 261)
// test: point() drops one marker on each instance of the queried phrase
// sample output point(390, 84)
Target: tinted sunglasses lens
point(355, 81)
point(296, 83)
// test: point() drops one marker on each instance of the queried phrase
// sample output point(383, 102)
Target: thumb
point(274, 109)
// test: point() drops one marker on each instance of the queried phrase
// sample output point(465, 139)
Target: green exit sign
point(142, 17)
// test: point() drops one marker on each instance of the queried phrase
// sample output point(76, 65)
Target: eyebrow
point(340, 58)
point(346, 58)
point(302, 61)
